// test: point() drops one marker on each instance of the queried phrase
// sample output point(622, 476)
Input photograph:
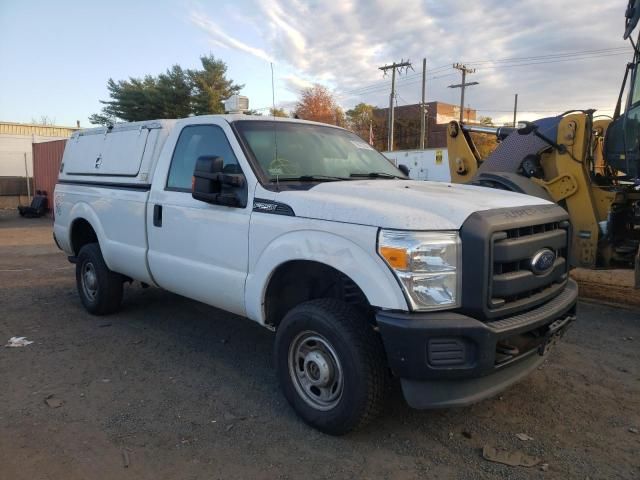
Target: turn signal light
point(396, 257)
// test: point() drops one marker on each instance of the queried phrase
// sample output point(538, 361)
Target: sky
point(56, 57)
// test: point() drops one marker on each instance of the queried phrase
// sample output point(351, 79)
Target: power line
point(374, 88)
point(504, 63)
point(387, 84)
point(393, 67)
point(493, 67)
point(521, 109)
point(462, 86)
point(553, 55)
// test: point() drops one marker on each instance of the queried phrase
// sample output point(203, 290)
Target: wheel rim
point(315, 370)
point(89, 281)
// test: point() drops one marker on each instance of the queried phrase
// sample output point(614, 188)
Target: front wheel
point(99, 288)
point(331, 365)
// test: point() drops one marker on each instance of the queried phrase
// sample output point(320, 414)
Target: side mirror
point(205, 185)
point(404, 169)
point(209, 182)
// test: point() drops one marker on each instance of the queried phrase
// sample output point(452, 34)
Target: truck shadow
point(240, 350)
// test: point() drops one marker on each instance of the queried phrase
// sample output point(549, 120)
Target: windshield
point(299, 151)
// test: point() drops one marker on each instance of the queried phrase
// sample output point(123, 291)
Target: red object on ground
point(47, 157)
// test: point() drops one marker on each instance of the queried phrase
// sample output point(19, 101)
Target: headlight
point(426, 264)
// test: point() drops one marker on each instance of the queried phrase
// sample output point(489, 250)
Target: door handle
point(157, 215)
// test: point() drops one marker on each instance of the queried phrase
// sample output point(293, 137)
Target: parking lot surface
point(170, 388)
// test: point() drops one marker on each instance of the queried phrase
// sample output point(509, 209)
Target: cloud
point(342, 43)
point(220, 38)
point(295, 84)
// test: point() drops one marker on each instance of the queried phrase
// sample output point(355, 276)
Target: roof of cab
point(236, 117)
point(167, 122)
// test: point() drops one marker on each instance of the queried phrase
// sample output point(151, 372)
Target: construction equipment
point(587, 163)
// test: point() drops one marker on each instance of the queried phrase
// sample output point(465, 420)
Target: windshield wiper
point(375, 175)
point(309, 178)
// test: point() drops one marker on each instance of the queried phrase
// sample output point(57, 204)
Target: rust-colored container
point(47, 157)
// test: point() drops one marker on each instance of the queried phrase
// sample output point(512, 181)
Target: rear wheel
point(99, 288)
point(331, 365)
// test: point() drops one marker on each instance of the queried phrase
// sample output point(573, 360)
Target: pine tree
point(177, 93)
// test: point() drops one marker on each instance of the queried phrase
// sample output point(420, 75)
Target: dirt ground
point(172, 389)
point(615, 286)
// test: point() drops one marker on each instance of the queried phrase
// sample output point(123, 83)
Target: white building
point(15, 144)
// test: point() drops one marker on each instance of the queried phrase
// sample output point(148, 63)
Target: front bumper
point(446, 359)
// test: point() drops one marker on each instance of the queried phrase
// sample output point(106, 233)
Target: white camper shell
point(123, 153)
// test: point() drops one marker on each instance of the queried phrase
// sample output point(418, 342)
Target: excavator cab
point(622, 140)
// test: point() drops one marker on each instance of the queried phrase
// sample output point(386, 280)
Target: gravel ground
point(170, 388)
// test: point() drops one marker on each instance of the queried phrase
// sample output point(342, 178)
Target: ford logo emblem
point(543, 261)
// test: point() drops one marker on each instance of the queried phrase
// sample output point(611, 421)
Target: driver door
point(198, 249)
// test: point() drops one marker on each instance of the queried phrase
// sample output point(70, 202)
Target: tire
point(330, 343)
point(99, 288)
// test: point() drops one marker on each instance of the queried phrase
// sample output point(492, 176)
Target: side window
point(635, 94)
point(196, 141)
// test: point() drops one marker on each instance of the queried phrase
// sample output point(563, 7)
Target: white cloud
point(295, 84)
point(342, 43)
point(220, 38)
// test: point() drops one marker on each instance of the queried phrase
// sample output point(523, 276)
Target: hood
point(399, 204)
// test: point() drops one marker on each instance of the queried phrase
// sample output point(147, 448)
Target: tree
point(360, 120)
point(176, 93)
point(485, 120)
point(316, 103)
point(277, 112)
point(45, 120)
point(211, 86)
point(485, 144)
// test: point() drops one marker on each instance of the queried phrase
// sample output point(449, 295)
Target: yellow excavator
point(587, 163)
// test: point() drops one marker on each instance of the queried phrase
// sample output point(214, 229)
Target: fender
point(83, 210)
point(364, 267)
point(126, 258)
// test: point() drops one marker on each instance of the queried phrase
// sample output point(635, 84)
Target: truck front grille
point(499, 275)
point(512, 276)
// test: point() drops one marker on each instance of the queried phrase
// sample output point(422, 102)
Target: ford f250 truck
point(457, 290)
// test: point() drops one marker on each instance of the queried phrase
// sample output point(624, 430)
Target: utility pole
point(393, 67)
point(515, 110)
point(464, 69)
point(423, 120)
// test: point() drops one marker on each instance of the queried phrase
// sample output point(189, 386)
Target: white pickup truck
point(304, 228)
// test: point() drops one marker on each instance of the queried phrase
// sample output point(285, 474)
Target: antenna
point(273, 94)
point(275, 132)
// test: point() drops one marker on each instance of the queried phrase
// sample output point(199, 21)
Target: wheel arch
point(311, 254)
point(296, 281)
point(84, 228)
